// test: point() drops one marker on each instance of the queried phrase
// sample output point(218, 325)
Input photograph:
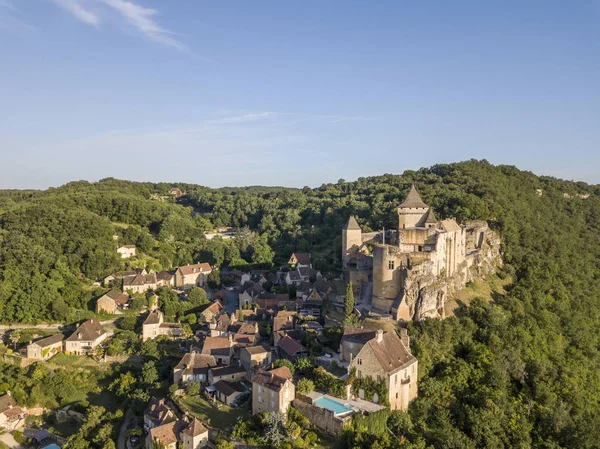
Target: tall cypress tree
point(349, 305)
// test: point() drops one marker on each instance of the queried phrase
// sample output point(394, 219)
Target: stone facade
point(416, 267)
point(272, 391)
point(386, 358)
point(255, 357)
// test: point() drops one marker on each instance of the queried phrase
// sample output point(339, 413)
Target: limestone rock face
point(424, 294)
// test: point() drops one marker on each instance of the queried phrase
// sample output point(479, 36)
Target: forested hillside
point(522, 372)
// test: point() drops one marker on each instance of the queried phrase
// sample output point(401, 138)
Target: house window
point(259, 389)
point(396, 379)
point(391, 264)
point(260, 399)
point(358, 375)
point(396, 395)
point(359, 361)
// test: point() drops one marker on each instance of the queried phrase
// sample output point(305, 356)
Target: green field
point(216, 415)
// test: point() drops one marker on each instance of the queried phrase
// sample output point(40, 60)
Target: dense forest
point(523, 371)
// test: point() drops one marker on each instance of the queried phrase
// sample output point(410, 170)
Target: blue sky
point(294, 92)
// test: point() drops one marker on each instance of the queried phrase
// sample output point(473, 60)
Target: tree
point(305, 386)
point(275, 430)
point(304, 365)
point(214, 279)
point(349, 317)
point(128, 322)
point(193, 388)
point(149, 373)
point(197, 296)
point(284, 362)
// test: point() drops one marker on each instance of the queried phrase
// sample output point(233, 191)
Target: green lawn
point(78, 361)
point(220, 415)
point(336, 370)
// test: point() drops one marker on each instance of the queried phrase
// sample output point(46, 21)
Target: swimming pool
point(52, 446)
point(335, 406)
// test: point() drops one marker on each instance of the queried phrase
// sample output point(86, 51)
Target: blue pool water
point(52, 446)
point(335, 406)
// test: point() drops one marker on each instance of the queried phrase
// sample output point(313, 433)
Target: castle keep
point(413, 268)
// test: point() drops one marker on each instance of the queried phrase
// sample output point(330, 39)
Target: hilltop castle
point(415, 267)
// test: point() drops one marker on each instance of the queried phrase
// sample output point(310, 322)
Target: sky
point(295, 93)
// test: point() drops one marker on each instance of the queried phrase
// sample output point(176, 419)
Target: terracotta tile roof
point(413, 199)
point(49, 341)
point(196, 268)
point(139, 280)
point(391, 352)
point(253, 350)
point(167, 433)
point(217, 346)
point(195, 428)
point(214, 308)
point(88, 331)
point(6, 403)
point(192, 363)
point(290, 346)
point(274, 379)
point(118, 297)
point(159, 412)
point(450, 225)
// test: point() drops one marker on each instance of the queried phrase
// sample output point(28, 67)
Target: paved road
point(121, 441)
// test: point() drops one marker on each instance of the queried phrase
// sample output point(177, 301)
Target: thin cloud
point(140, 18)
point(7, 4)
point(76, 8)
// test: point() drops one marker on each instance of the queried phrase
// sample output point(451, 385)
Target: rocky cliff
point(424, 294)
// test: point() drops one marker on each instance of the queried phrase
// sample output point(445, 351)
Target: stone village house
point(126, 251)
point(387, 358)
point(112, 302)
point(272, 391)
point(190, 276)
point(193, 367)
point(86, 338)
point(46, 347)
point(155, 326)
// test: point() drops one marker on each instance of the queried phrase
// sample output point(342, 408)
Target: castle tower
point(351, 240)
point(412, 210)
point(387, 276)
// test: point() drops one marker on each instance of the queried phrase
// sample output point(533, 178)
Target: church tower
point(351, 240)
point(412, 210)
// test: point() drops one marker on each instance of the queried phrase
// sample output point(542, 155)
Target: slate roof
point(274, 379)
point(227, 370)
point(159, 412)
point(352, 224)
point(358, 335)
point(88, 331)
point(225, 388)
point(49, 341)
point(413, 199)
point(153, 317)
point(164, 275)
point(302, 258)
point(428, 218)
point(140, 279)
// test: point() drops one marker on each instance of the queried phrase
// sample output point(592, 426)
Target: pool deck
point(356, 404)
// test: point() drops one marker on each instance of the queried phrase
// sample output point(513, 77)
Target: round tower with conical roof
point(351, 240)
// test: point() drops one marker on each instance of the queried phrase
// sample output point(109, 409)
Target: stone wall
point(323, 418)
point(424, 294)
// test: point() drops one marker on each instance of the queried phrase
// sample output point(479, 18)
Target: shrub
point(305, 386)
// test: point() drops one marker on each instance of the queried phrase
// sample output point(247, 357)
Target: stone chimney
point(379, 336)
point(405, 338)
